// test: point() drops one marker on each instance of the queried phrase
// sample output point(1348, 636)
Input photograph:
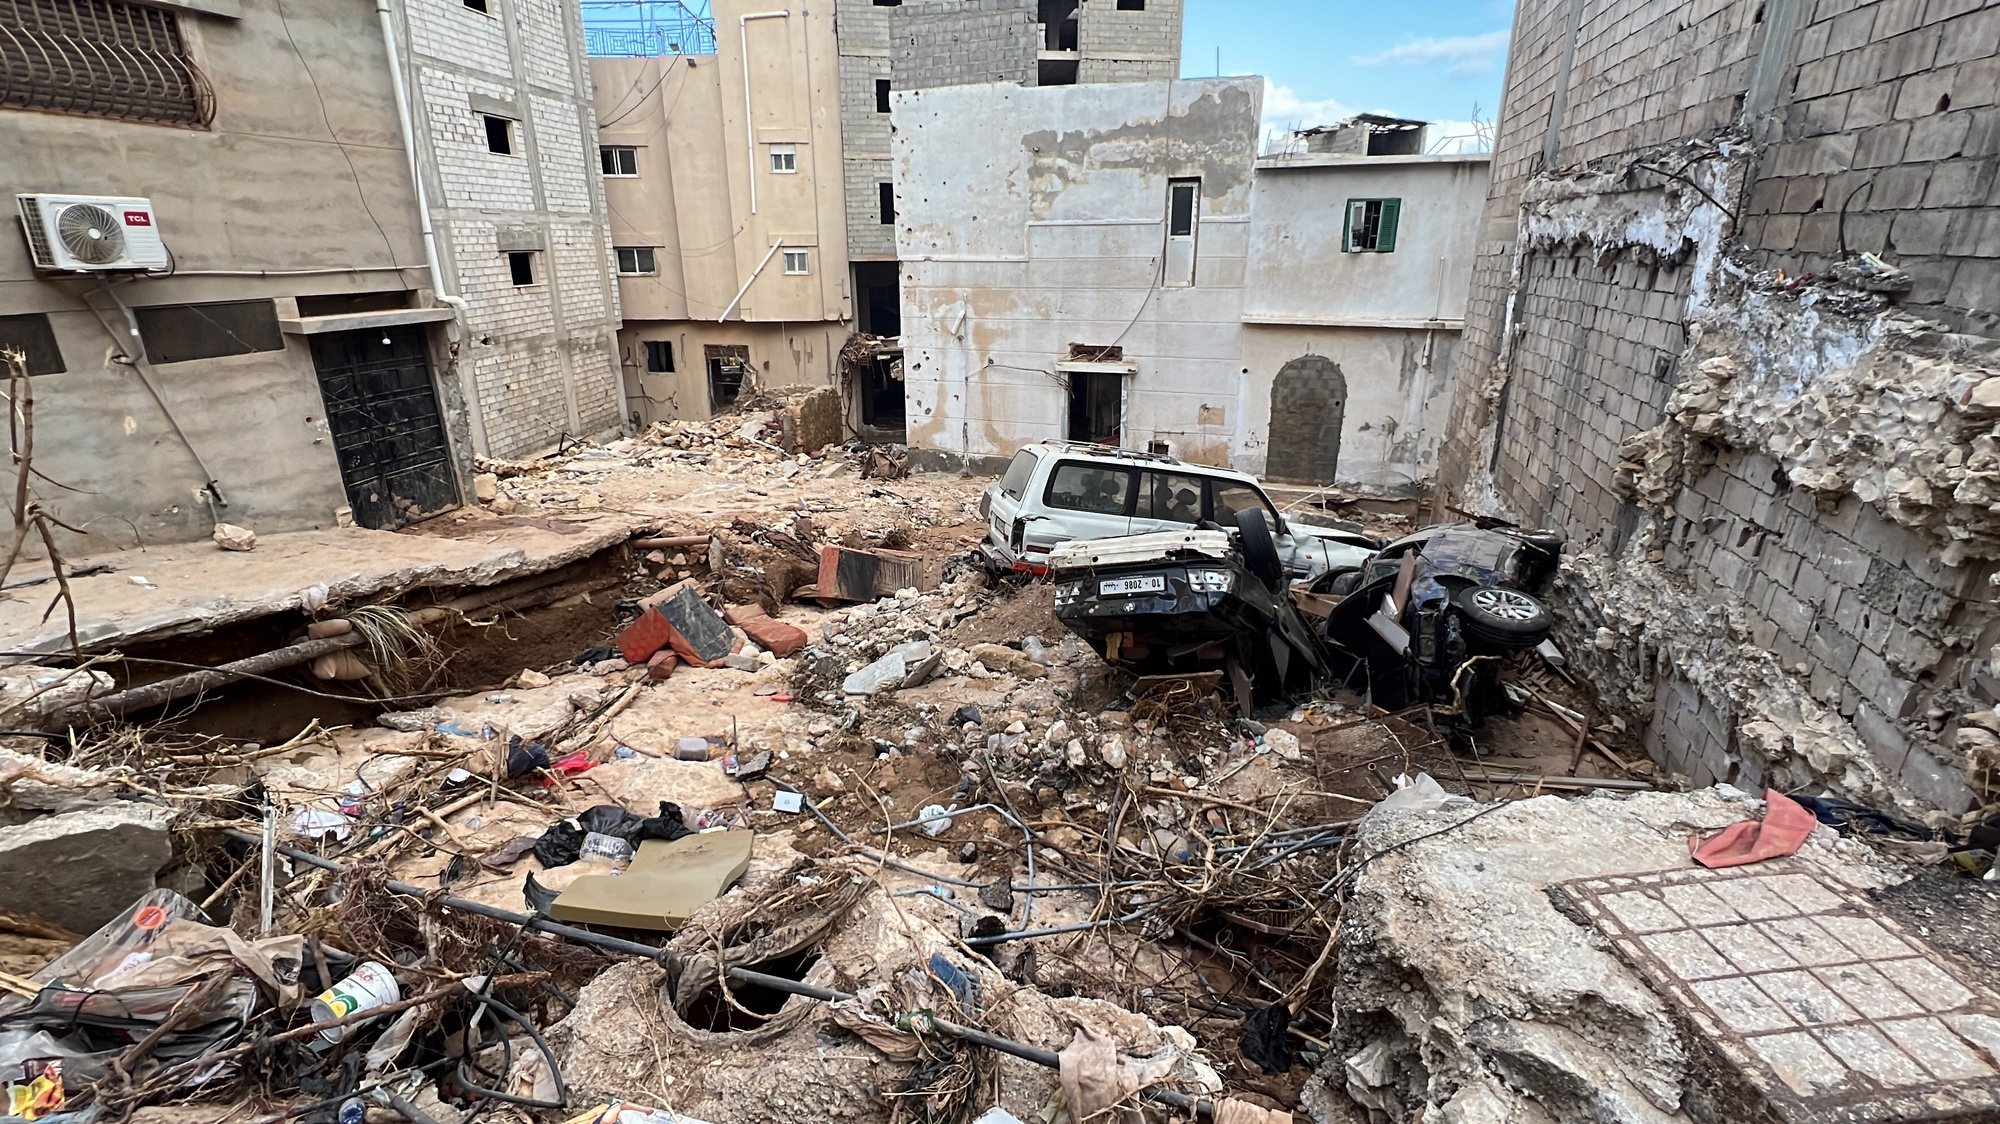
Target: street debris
point(777, 773)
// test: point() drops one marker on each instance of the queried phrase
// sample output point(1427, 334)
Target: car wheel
point(1503, 617)
point(1260, 553)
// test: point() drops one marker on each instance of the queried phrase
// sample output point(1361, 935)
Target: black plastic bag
point(1264, 1038)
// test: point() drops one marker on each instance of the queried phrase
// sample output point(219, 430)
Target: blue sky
point(1328, 59)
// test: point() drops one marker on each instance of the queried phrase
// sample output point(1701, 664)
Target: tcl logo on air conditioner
point(92, 234)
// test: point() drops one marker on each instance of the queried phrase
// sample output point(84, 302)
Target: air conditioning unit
point(91, 233)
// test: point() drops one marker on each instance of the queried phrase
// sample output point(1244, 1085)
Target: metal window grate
point(100, 58)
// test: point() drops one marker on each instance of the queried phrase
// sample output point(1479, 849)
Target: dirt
point(1013, 611)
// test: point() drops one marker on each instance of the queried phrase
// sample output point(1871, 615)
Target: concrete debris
point(486, 487)
point(229, 536)
point(80, 869)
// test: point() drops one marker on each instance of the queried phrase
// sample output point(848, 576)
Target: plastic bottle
point(1033, 648)
point(353, 1110)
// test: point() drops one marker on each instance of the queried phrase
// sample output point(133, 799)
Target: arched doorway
point(1308, 401)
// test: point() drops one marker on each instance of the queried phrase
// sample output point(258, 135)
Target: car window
point(1228, 498)
point(1016, 480)
point(1090, 487)
point(1173, 497)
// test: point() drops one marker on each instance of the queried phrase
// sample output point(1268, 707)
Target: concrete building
point(1772, 453)
point(507, 134)
point(283, 367)
point(730, 231)
point(1353, 302)
point(1122, 268)
point(888, 46)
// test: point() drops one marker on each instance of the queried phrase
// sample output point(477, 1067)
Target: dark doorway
point(880, 302)
point(728, 365)
point(1308, 403)
point(882, 416)
point(1095, 406)
point(387, 431)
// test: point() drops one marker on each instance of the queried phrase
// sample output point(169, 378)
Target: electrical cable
point(327, 119)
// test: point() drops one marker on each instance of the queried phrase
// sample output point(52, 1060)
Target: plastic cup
point(371, 985)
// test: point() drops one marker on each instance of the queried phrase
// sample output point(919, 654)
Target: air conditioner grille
point(90, 233)
point(31, 225)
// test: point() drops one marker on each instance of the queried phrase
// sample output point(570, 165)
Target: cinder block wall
point(1128, 46)
point(1763, 602)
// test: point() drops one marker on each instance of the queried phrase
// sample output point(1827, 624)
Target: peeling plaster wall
point(781, 354)
point(1054, 233)
point(1779, 494)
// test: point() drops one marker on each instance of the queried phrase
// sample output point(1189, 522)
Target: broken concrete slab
point(81, 869)
point(1467, 995)
point(195, 589)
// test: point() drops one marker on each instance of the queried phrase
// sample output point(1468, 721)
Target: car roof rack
point(1098, 450)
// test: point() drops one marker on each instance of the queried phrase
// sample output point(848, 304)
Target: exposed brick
point(1960, 183)
point(1882, 146)
point(1919, 232)
point(1938, 137)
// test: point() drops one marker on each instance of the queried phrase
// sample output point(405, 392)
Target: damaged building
point(1130, 272)
point(1731, 329)
point(299, 289)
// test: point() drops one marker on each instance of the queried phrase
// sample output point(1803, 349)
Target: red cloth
point(1781, 832)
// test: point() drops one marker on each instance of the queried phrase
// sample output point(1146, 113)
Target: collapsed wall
point(1735, 343)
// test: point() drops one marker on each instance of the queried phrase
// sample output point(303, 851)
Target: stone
point(229, 536)
point(486, 487)
point(1283, 743)
point(1985, 396)
point(531, 678)
point(1975, 739)
point(1073, 753)
point(1984, 719)
point(1058, 732)
point(1112, 752)
point(81, 869)
point(1000, 658)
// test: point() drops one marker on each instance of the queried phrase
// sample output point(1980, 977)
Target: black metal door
point(387, 430)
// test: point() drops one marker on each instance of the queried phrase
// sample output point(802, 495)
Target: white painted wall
point(1029, 219)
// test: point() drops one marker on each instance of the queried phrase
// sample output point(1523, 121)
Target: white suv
point(1055, 492)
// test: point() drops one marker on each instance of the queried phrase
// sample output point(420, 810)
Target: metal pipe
point(751, 280)
point(667, 957)
point(135, 350)
point(750, 126)
point(384, 10)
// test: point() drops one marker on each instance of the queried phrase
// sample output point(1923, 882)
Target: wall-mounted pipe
point(750, 280)
point(749, 125)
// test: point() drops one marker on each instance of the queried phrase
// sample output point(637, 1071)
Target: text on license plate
point(1153, 584)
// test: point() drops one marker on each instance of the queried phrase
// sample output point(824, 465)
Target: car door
point(1302, 557)
point(1082, 500)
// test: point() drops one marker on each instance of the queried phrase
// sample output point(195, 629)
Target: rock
point(1283, 743)
point(1975, 739)
point(1016, 728)
point(998, 657)
point(81, 869)
point(1985, 396)
point(1984, 719)
point(486, 487)
point(505, 505)
point(1112, 752)
point(229, 536)
point(1058, 732)
point(531, 678)
point(740, 661)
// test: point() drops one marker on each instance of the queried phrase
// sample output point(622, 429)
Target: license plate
point(1113, 586)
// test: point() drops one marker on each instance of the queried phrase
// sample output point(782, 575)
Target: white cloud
point(1285, 111)
point(1461, 55)
point(1458, 136)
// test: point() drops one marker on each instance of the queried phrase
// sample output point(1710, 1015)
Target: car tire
point(1503, 617)
point(1260, 553)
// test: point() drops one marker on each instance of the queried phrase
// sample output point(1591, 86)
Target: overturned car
point(1192, 602)
point(1431, 616)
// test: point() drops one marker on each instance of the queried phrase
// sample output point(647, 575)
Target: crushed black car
point(1192, 602)
point(1431, 616)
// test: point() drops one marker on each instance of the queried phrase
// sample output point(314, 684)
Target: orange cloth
point(1781, 832)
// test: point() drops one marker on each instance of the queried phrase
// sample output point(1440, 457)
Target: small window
point(521, 266)
point(881, 95)
point(30, 334)
point(1182, 196)
point(618, 159)
point(1131, 5)
point(1090, 487)
point(177, 333)
point(1174, 497)
point(1018, 471)
point(659, 357)
point(784, 158)
point(1370, 227)
point(636, 261)
point(887, 192)
point(888, 3)
point(476, 5)
point(499, 134)
point(797, 262)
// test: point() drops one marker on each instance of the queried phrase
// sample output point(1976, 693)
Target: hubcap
point(1505, 604)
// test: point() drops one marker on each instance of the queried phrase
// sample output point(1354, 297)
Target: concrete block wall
point(1128, 46)
point(1797, 609)
point(1892, 129)
point(538, 360)
point(964, 43)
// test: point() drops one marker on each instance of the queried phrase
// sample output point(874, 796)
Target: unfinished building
point(1731, 328)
